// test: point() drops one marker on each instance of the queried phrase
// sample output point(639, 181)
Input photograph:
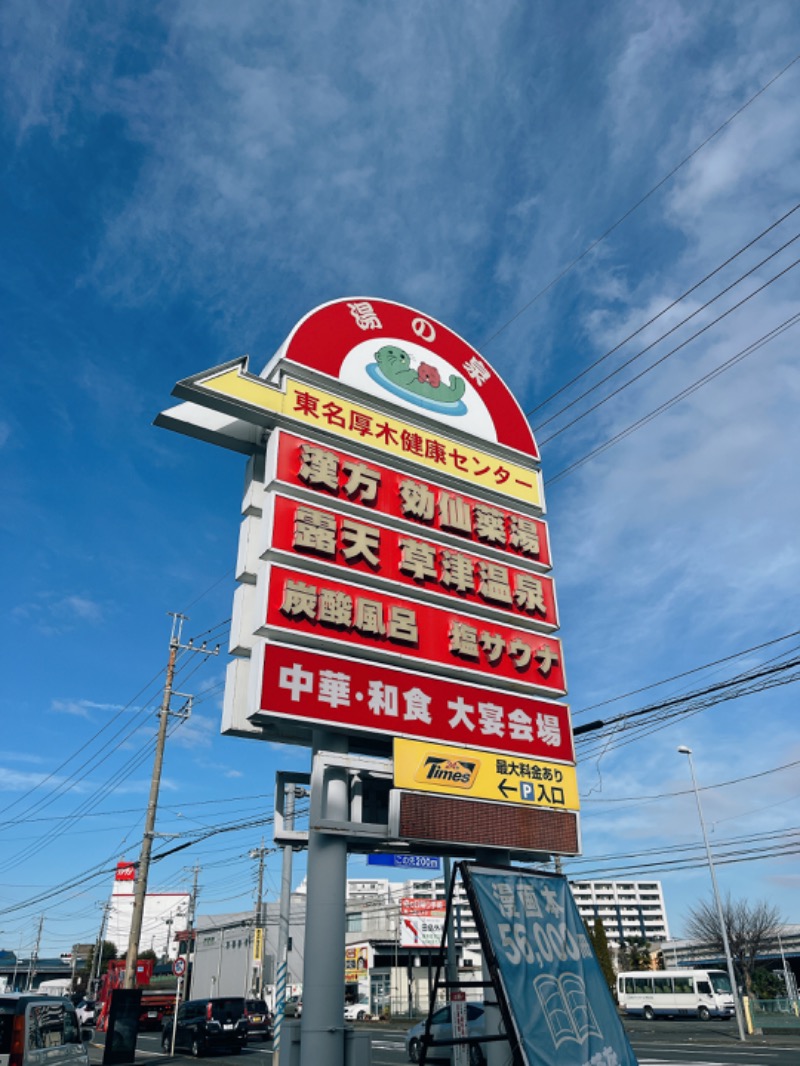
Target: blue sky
point(182, 182)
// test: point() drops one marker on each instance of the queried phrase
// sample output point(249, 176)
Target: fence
point(767, 1015)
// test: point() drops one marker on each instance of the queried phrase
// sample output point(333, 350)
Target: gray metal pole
point(728, 958)
point(284, 920)
point(322, 1022)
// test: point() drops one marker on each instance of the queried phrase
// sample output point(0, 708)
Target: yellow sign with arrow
point(450, 771)
point(233, 391)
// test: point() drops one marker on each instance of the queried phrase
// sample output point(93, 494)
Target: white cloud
point(81, 708)
point(53, 613)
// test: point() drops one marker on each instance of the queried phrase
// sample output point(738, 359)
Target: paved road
point(659, 1043)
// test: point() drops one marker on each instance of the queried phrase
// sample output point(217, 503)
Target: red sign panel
point(314, 606)
point(332, 472)
point(369, 697)
point(410, 360)
point(423, 906)
point(414, 561)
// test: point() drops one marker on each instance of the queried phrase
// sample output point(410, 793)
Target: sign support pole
point(284, 924)
point(322, 1022)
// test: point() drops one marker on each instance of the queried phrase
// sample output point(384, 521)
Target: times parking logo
point(458, 773)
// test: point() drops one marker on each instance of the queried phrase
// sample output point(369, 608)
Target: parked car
point(86, 1011)
point(442, 1029)
point(356, 1012)
point(293, 1007)
point(203, 1025)
point(259, 1019)
point(37, 1030)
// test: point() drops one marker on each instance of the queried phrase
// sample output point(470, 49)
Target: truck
point(156, 1002)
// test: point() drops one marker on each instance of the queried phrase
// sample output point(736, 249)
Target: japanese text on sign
point(353, 695)
point(547, 964)
point(371, 618)
point(344, 542)
point(382, 488)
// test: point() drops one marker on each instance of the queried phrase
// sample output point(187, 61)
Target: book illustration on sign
point(422, 385)
point(566, 1008)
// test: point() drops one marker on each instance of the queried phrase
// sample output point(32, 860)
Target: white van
point(672, 993)
point(38, 1030)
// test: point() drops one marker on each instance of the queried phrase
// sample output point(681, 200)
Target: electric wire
point(673, 329)
point(668, 355)
point(686, 673)
point(598, 240)
point(660, 714)
point(660, 314)
point(755, 346)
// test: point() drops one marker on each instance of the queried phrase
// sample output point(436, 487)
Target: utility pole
point(97, 959)
point(257, 981)
point(143, 870)
point(190, 952)
point(35, 956)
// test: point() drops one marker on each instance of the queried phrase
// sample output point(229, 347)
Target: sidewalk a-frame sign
point(552, 993)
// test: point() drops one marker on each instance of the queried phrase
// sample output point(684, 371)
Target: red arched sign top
point(409, 359)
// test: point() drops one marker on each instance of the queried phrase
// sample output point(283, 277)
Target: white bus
point(701, 993)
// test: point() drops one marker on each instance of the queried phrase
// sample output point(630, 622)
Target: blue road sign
point(406, 862)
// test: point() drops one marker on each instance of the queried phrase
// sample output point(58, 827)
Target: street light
point(731, 974)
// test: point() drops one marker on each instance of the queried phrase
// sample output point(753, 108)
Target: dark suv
point(259, 1019)
point(204, 1025)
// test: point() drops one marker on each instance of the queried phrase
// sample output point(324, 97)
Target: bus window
point(684, 985)
point(663, 986)
point(720, 981)
point(704, 988)
point(642, 984)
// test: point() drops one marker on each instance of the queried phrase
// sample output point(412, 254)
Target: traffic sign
point(179, 966)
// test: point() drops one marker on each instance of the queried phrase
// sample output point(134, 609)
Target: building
point(629, 910)
point(780, 955)
point(164, 914)
point(223, 961)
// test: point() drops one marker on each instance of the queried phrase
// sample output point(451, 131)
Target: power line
point(686, 673)
point(670, 353)
point(659, 714)
point(642, 200)
point(663, 311)
point(765, 339)
point(658, 340)
point(689, 791)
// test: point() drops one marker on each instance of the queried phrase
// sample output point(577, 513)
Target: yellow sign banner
point(450, 771)
point(309, 406)
point(258, 944)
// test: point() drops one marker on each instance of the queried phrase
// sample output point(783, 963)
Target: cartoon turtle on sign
point(422, 384)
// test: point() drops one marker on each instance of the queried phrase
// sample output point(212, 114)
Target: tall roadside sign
point(395, 595)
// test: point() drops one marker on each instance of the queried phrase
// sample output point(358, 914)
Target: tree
point(750, 927)
point(637, 955)
point(767, 984)
point(597, 935)
point(108, 951)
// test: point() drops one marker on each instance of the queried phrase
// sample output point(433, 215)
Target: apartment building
point(629, 910)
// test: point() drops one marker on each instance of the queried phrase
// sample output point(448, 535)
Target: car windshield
point(227, 1009)
point(720, 982)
